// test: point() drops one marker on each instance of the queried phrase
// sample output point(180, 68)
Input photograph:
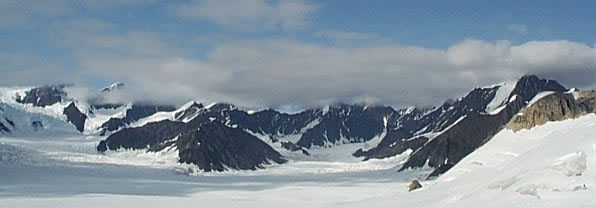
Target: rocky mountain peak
point(188, 111)
point(529, 85)
point(43, 96)
point(75, 116)
point(112, 87)
point(220, 107)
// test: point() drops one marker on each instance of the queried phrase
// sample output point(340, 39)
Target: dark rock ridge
point(214, 145)
point(336, 124)
point(106, 106)
point(443, 136)
point(37, 125)
point(271, 122)
point(293, 147)
point(10, 122)
point(326, 127)
point(555, 107)
point(43, 96)
point(190, 112)
point(343, 124)
point(135, 113)
point(3, 128)
point(211, 146)
point(75, 117)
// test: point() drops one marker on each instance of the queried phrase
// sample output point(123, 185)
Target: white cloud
point(279, 72)
point(521, 29)
point(270, 72)
point(343, 35)
point(32, 14)
point(249, 15)
point(274, 73)
point(18, 69)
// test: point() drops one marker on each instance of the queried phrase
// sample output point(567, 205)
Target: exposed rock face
point(74, 116)
point(414, 185)
point(106, 106)
point(43, 96)
point(189, 113)
point(554, 107)
point(272, 122)
point(293, 147)
point(135, 113)
point(3, 128)
point(210, 145)
point(151, 135)
point(37, 125)
point(346, 124)
point(330, 126)
point(214, 145)
point(10, 122)
point(337, 124)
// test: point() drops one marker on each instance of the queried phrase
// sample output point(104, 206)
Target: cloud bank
point(281, 72)
point(248, 15)
point(267, 71)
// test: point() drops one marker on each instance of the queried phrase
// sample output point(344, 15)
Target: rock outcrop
point(43, 96)
point(212, 146)
point(554, 107)
point(74, 116)
point(3, 128)
point(135, 113)
point(415, 184)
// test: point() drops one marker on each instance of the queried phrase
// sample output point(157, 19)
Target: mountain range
point(221, 136)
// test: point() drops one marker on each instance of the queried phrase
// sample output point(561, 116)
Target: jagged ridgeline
point(221, 136)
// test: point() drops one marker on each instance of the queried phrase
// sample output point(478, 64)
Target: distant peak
point(220, 106)
point(529, 76)
point(192, 104)
point(114, 86)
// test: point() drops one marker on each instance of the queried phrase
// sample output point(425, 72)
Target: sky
point(295, 53)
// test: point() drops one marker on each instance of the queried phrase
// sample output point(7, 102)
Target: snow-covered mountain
point(438, 137)
point(543, 158)
point(87, 116)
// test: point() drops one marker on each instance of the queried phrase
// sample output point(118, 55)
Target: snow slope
point(546, 166)
point(22, 118)
point(501, 96)
point(52, 116)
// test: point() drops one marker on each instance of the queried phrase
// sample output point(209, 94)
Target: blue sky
point(439, 24)
point(278, 52)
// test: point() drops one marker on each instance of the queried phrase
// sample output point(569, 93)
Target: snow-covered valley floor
point(548, 166)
